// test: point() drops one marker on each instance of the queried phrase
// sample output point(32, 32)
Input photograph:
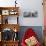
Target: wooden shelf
point(9, 43)
point(4, 24)
point(9, 8)
point(10, 26)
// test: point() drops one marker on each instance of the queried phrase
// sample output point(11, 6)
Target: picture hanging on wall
point(30, 14)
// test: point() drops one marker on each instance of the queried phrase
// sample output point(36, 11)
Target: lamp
point(15, 3)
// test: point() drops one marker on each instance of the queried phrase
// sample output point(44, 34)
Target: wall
point(27, 5)
point(32, 5)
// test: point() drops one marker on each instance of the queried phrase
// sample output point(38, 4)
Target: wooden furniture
point(10, 43)
point(5, 23)
point(8, 11)
point(0, 43)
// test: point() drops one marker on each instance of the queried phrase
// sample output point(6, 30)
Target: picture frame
point(34, 14)
point(30, 14)
point(27, 14)
point(12, 12)
point(5, 12)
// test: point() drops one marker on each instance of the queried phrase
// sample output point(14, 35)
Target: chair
point(29, 33)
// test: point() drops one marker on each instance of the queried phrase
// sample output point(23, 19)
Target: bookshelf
point(9, 22)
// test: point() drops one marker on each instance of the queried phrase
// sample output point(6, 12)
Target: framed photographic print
point(30, 14)
point(5, 12)
point(35, 14)
point(12, 12)
point(27, 14)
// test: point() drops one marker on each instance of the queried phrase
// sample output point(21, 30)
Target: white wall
point(27, 5)
point(32, 5)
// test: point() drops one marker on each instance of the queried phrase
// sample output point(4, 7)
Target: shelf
point(10, 26)
point(11, 41)
point(9, 11)
point(9, 8)
point(10, 19)
point(5, 13)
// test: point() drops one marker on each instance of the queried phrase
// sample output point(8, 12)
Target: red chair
point(29, 33)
